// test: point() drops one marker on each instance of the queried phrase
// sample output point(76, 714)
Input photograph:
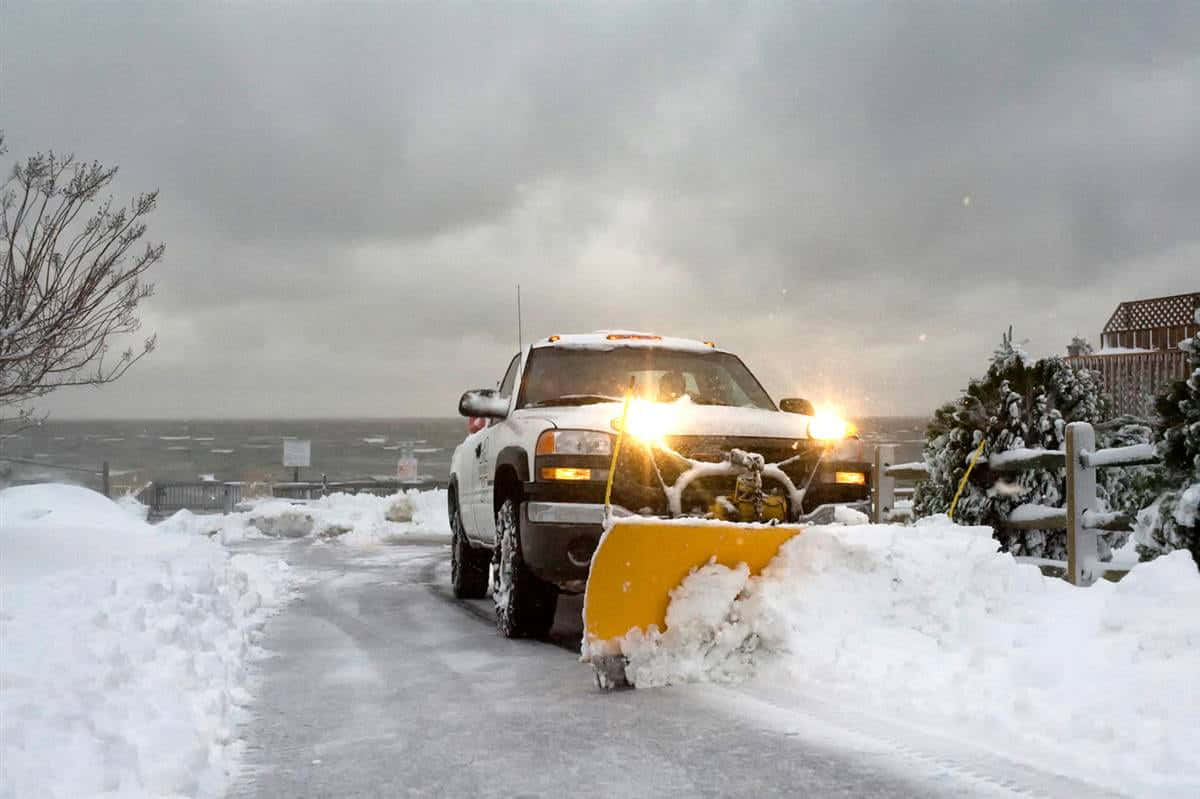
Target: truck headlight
point(647, 421)
point(574, 442)
point(826, 426)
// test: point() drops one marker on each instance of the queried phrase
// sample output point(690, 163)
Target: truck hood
point(685, 419)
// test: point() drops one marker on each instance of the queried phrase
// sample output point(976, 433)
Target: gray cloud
point(350, 193)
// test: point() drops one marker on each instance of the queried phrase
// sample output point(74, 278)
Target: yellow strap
point(963, 482)
point(612, 465)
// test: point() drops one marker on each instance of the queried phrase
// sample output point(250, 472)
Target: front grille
point(713, 449)
point(637, 487)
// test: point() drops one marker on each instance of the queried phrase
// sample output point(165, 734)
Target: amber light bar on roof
point(633, 336)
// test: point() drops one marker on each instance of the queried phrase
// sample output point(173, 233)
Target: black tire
point(468, 566)
point(525, 605)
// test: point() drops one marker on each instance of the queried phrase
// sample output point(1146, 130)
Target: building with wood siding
point(1139, 351)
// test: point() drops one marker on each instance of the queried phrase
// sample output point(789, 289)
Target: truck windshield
point(557, 376)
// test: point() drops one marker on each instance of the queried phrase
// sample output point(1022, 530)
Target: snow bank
point(123, 648)
point(931, 625)
point(355, 519)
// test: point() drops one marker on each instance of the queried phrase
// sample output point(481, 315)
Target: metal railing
point(164, 497)
point(1082, 519)
point(379, 488)
point(102, 472)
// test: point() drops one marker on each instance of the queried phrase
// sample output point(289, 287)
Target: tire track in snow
point(564, 635)
point(809, 716)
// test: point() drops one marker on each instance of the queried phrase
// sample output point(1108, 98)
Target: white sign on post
point(297, 452)
point(406, 467)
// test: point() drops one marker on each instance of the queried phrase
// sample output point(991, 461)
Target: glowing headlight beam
point(828, 426)
point(646, 421)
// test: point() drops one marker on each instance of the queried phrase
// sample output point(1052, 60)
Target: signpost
point(297, 453)
point(406, 467)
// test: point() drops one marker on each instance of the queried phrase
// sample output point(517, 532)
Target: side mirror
point(483, 403)
point(796, 405)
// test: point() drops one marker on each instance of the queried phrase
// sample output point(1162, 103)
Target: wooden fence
point(1134, 379)
point(885, 494)
point(1081, 518)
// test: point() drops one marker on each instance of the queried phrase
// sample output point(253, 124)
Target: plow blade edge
point(638, 563)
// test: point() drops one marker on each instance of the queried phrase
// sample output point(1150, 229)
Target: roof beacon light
point(710, 344)
point(632, 337)
point(553, 339)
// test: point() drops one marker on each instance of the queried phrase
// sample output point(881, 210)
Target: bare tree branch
point(61, 304)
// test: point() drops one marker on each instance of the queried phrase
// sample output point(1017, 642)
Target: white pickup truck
point(527, 489)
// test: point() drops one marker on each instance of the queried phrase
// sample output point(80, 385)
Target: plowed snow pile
point(353, 519)
point(929, 624)
point(123, 648)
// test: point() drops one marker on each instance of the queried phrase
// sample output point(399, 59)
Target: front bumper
point(558, 539)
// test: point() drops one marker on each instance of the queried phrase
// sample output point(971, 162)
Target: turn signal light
point(565, 473)
point(850, 478)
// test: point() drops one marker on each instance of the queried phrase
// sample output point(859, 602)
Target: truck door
point(485, 460)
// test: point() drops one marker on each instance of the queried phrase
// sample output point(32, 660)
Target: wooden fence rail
point(883, 481)
point(1081, 518)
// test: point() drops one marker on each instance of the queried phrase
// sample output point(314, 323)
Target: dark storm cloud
point(859, 197)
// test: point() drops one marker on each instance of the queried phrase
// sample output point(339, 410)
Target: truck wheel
point(524, 604)
point(468, 566)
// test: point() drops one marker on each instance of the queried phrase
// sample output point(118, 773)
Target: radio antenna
point(520, 336)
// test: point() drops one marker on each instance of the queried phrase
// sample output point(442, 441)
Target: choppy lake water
point(139, 451)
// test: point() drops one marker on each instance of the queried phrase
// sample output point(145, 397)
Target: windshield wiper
point(574, 399)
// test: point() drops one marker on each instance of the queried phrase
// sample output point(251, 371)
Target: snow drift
point(930, 624)
point(354, 519)
point(123, 648)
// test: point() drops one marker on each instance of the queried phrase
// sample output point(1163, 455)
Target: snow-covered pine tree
point(1017, 403)
point(1173, 520)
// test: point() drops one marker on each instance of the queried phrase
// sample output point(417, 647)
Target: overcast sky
point(858, 198)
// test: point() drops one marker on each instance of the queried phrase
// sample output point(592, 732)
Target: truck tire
point(468, 566)
point(525, 605)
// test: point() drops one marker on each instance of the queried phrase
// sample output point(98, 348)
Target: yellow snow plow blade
point(639, 562)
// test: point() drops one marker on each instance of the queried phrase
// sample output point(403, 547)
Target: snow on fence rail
point(1080, 518)
point(883, 482)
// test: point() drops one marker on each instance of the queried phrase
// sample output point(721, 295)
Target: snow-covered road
point(380, 684)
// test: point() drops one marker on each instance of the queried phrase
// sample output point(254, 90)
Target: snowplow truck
point(616, 462)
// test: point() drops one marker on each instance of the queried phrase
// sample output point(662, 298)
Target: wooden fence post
point(107, 482)
point(883, 485)
point(1083, 556)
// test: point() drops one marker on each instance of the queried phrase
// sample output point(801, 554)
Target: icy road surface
point(381, 684)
